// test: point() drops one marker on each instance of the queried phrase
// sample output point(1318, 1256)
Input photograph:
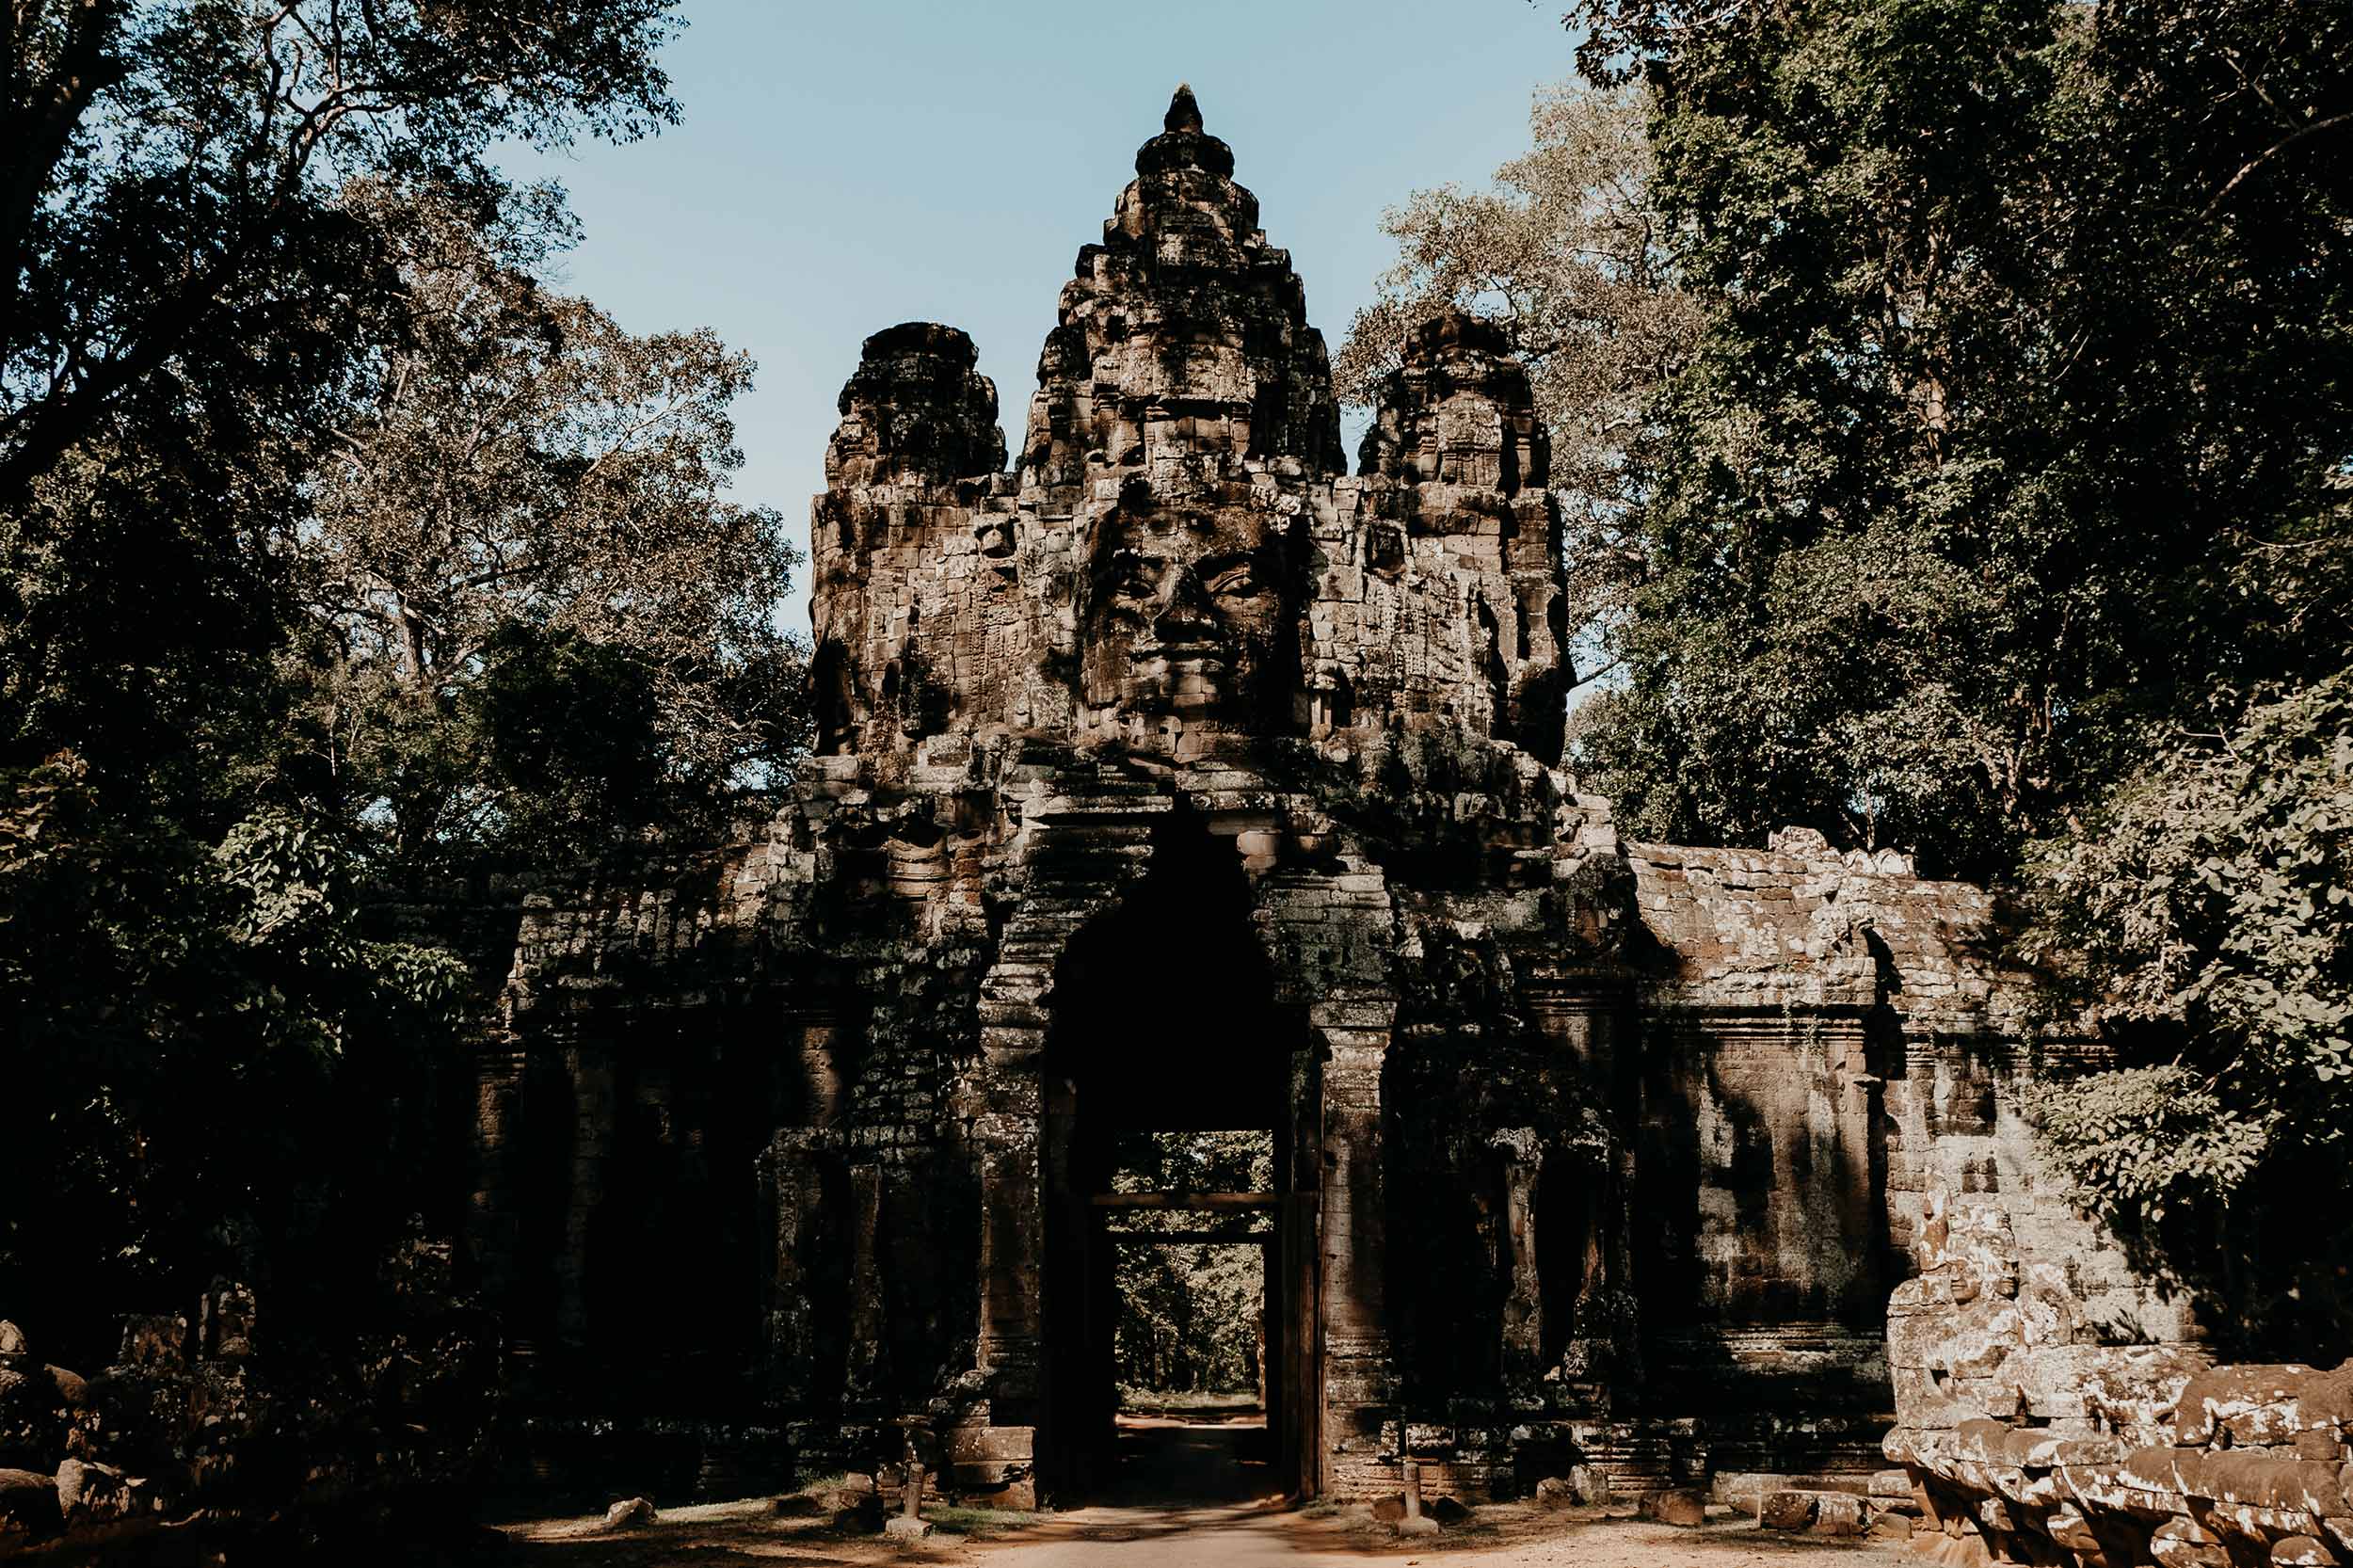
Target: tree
point(210, 1066)
point(185, 294)
point(1190, 1312)
point(1991, 392)
point(523, 507)
point(168, 187)
point(1567, 253)
point(2209, 907)
point(1839, 544)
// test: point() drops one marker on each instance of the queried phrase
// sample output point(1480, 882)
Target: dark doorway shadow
point(1210, 1460)
point(1165, 1026)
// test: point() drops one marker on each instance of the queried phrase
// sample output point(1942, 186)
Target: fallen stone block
point(1788, 1510)
point(89, 1493)
point(1954, 1551)
point(2184, 1543)
point(629, 1514)
point(1580, 1485)
point(28, 1507)
point(1840, 1513)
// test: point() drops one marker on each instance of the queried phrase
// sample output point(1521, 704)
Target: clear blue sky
point(843, 166)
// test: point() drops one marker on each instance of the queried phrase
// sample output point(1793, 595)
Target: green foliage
point(171, 177)
point(2021, 340)
point(570, 726)
point(542, 624)
point(2210, 904)
point(198, 1038)
point(210, 1063)
point(1188, 1312)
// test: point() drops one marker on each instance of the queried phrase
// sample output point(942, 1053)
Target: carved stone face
point(1195, 615)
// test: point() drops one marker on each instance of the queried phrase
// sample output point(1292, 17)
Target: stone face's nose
point(1184, 614)
point(1184, 112)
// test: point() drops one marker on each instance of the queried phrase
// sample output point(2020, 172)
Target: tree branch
point(41, 131)
point(2274, 151)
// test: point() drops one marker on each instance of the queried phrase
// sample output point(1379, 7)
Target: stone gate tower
point(1176, 779)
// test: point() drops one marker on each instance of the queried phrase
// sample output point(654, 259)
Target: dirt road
point(1154, 1516)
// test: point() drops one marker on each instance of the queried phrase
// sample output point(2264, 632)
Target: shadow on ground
point(1186, 1492)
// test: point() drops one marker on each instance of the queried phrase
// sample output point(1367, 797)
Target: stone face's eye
point(1132, 576)
point(1231, 579)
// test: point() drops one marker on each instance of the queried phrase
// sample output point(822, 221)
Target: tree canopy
point(1190, 1312)
point(2022, 339)
point(520, 522)
point(335, 547)
point(2209, 905)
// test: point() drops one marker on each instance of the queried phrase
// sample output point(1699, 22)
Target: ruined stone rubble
point(189, 1437)
point(2032, 1436)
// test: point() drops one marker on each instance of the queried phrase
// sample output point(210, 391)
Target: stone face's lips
point(1182, 651)
point(1195, 660)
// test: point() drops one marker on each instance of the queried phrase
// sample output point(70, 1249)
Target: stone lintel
point(1353, 1021)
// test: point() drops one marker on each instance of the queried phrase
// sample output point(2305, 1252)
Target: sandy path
point(745, 1535)
point(1205, 1538)
point(1145, 1524)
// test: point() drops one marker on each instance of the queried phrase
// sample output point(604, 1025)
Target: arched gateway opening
point(1177, 1109)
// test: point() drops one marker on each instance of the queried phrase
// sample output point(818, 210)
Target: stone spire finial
point(1184, 111)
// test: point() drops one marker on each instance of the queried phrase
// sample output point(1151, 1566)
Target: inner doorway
point(1189, 1224)
point(1180, 1201)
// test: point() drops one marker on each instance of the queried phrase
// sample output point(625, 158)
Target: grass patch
point(1144, 1401)
point(978, 1524)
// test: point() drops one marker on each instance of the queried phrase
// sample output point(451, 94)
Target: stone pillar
point(1013, 1232)
point(1297, 1406)
point(1096, 845)
point(592, 1139)
point(870, 1366)
point(1523, 1306)
point(493, 1221)
point(824, 1086)
point(796, 1195)
point(1356, 1379)
point(792, 1174)
point(1585, 1014)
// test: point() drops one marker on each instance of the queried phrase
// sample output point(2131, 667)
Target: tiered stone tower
point(1178, 568)
point(1176, 779)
